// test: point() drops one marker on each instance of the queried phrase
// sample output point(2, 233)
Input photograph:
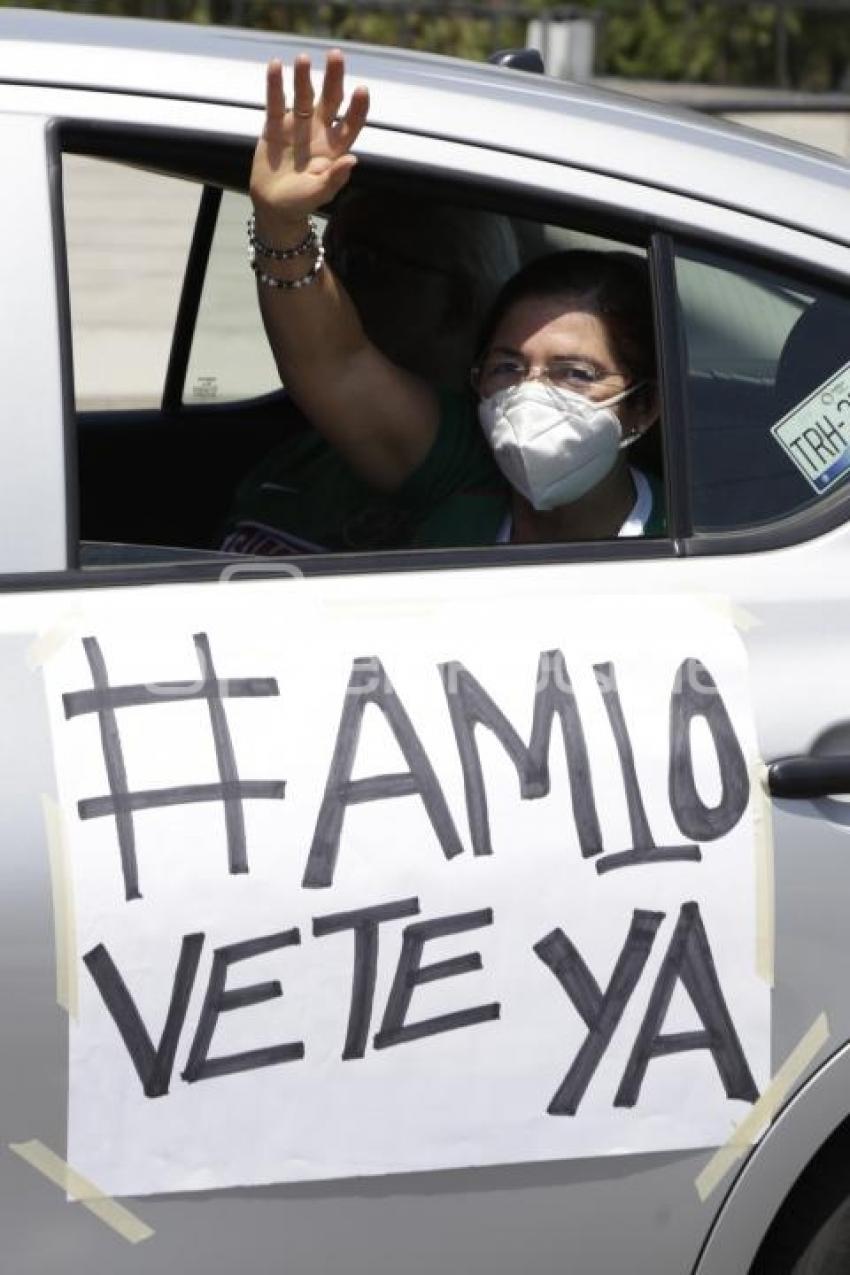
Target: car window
point(767, 390)
point(423, 274)
point(127, 233)
point(230, 359)
point(186, 438)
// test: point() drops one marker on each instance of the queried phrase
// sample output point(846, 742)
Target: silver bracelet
point(258, 248)
point(272, 281)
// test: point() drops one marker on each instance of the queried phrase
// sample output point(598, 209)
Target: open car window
point(127, 233)
point(227, 362)
point(177, 394)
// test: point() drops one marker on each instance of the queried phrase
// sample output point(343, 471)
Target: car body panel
point(640, 1214)
point(489, 1219)
point(30, 361)
point(681, 151)
point(536, 1217)
point(771, 1171)
point(526, 173)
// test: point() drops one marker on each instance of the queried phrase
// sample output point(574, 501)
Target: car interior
point(158, 463)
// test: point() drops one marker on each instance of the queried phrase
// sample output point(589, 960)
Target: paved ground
point(815, 119)
point(828, 130)
point(128, 235)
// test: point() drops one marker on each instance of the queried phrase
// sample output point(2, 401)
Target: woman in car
point(564, 377)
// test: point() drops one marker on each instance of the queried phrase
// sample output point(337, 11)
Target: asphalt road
point(128, 234)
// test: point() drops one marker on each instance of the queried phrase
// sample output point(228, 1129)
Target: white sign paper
point(368, 890)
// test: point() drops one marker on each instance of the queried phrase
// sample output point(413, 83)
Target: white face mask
point(552, 444)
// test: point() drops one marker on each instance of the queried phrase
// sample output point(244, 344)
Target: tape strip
point(48, 643)
point(741, 618)
point(765, 899)
point(113, 1214)
point(64, 916)
point(764, 1109)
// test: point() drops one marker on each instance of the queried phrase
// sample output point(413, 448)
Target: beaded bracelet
point(272, 281)
point(258, 248)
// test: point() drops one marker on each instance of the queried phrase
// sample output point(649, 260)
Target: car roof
point(521, 113)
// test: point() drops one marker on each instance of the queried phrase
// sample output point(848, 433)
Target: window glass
point(230, 358)
point(239, 467)
point(128, 234)
point(768, 390)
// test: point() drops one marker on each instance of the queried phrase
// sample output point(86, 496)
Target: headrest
point(816, 347)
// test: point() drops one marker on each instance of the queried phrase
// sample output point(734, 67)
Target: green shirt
point(303, 497)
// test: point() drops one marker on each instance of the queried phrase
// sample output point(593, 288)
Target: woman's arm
point(379, 416)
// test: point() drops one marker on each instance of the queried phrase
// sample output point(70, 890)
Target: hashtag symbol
point(121, 803)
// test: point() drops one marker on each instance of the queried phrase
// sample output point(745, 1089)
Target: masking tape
point(132, 1228)
point(765, 903)
point(741, 618)
point(52, 640)
point(64, 918)
point(764, 1109)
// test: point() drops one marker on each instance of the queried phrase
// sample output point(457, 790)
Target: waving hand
point(303, 156)
point(382, 419)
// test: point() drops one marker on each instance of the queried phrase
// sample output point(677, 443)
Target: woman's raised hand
point(303, 156)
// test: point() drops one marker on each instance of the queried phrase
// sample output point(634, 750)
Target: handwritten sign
point(366, 890)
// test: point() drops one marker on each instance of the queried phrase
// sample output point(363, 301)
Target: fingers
point(332, 87)
point(333, 92)
point(303, 85)
point(275, 100)
point(303, 110)
point(305, 119)
point(355, 117)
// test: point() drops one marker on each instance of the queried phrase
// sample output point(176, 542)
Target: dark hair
point(612, 285)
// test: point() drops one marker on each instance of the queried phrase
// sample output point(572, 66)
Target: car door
point(489, 611)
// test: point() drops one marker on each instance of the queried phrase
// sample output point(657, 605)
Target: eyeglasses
point(503, 372)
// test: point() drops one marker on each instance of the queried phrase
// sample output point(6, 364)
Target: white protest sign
point(365, 892)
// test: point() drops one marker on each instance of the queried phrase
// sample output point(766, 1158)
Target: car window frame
point(174, 152)
point(227, 157)
point(189, 304)
point(798, 526)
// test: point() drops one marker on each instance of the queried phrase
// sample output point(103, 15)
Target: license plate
point(816, 433)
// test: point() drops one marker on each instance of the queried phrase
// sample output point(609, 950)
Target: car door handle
point(808, 776)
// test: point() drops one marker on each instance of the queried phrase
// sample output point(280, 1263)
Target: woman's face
point(554, 336)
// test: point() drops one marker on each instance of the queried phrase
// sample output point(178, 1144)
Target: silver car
point(137, 390)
